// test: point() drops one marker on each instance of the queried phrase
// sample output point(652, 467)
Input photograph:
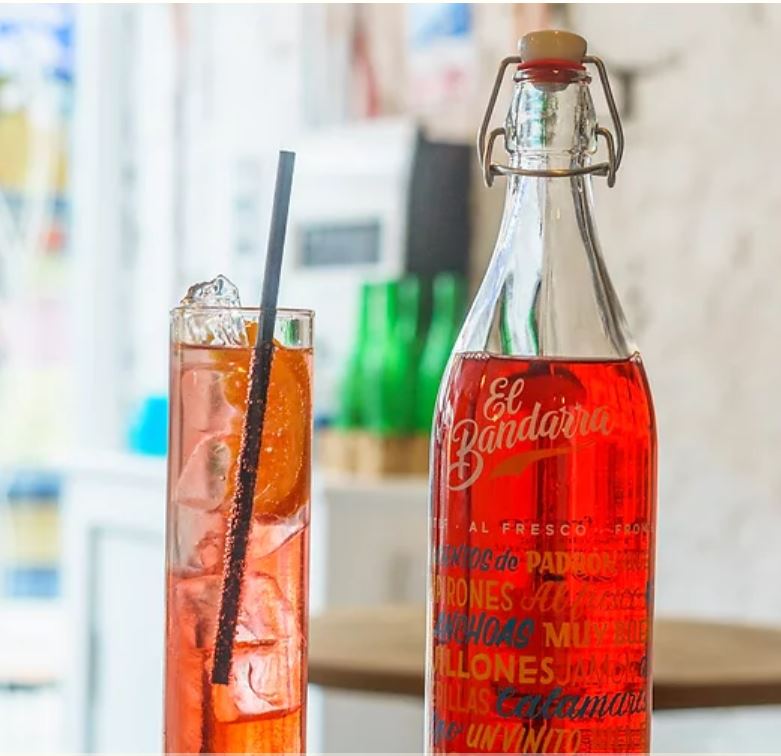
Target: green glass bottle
point(408, 334)
point(382, 361)
point(351, 414)
point(391, 357)
point(446, 316)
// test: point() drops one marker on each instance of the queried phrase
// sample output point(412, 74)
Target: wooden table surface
point(696, 664)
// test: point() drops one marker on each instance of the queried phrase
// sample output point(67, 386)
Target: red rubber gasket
point(569, 65)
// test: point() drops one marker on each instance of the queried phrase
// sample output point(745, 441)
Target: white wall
point(692, 234)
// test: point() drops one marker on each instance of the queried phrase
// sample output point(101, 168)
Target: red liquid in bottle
point(542, 557)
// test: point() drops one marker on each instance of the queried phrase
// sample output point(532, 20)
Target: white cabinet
point(375, 541)
point(113, 523)
point(127, 641)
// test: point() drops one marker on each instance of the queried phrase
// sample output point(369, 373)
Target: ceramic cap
point(552, 43)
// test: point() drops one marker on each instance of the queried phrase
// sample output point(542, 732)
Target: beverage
point(544, 469)
point(262, 708)
point(570, 614)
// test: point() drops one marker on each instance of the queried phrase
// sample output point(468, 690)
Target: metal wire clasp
point(615, 145)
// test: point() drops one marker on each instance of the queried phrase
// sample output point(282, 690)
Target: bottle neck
point(363, 317)
point(408, 309)
point(546, 291)
point(383, 312)
point(551, 123)
point(448, 302)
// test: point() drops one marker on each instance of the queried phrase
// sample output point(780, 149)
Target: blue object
point(432, 22)
point(33, 485)
point(149, 432)
point(32, 582)
point(41, 36)
point(322, 421)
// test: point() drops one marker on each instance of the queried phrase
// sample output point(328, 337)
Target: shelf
point(402, 486)
point(118, 465)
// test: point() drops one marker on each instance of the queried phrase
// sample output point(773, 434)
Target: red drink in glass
point(542, 556)
point(262, 709)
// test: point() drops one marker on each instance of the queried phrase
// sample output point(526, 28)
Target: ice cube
point(265, 613)
point(269, 533)
point(200, 540)
point(196, 602)
point(266, 666)
point(201, 323)
point(203, 482)
point(205, 407)
point(219, 292)
point(265, 679)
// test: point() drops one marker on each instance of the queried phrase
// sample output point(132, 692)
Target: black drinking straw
point(260, 372)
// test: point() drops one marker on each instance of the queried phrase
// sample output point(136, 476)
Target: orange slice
point(283, 473)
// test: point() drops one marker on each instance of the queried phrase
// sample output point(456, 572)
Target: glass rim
point(288, 313)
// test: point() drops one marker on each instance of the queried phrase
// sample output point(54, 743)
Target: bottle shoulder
point(547, 290)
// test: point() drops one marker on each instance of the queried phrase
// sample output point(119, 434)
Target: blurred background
point(137, 155)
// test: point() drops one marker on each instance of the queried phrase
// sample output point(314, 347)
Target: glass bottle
point(409, 344)
point(543, 478)
point(351, 413)
point(387, 363)
point(446, 316)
